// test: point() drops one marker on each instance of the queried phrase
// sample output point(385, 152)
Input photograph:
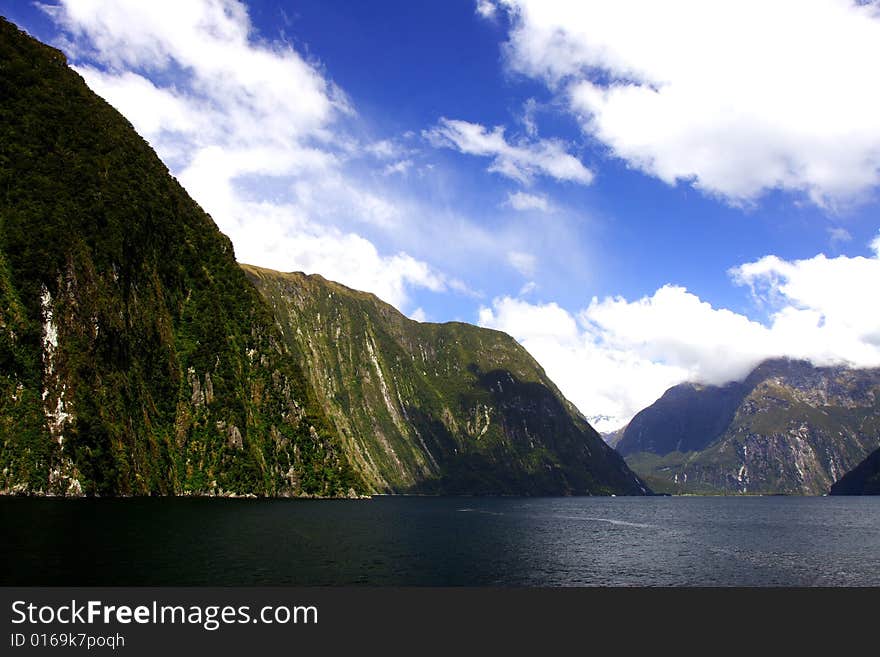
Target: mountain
point(138, 358)
point(687, 418)
point(613, 437)
point(789, 427)
point(135, 357)
point(864, 479)
point(447, 408)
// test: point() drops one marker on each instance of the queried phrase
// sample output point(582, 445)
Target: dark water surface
point(443, 541)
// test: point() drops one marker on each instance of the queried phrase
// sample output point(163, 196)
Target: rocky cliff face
point(135, 357)
point(788, 428)
point(437, 407)
point(687, 418)
point(864, 479)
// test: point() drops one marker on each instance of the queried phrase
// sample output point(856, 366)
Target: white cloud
point(486, 9)
point(383, 149)
point(395, 151)
point(524, 263)
point(616, 356)
point(521, 161)
point(354, 261)
point(401, 166)
point(152, 109)
point(600, 381)
point(252, 130)
point(523, 202)
point(419, 315)
point(736, 97)
point(530, 108)
point(267, 91)
point(822, 308)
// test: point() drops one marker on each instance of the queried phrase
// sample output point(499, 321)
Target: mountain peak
point(789, 426)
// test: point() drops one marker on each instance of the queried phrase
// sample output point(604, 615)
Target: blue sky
point(626, 189)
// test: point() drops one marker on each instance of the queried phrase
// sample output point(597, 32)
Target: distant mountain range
point(138, 358)
point(789, 427)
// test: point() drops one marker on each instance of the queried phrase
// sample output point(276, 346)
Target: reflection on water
point(442, 541)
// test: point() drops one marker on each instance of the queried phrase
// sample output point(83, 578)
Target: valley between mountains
point(137, 357)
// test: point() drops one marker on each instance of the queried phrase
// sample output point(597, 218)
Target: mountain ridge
point(433, 390)
point(788, 427)
point(138, 358)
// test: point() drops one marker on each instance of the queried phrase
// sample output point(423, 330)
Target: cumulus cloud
point(616, 356)
point(523, 201)
point(252, 130)
point(521, 161)
point(819, 305)
point(734, 97)
point(419, 315)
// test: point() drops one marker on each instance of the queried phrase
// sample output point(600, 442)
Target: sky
point(640, 193)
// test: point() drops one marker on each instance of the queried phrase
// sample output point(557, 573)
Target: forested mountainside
point(437, 407)
point(137, 358)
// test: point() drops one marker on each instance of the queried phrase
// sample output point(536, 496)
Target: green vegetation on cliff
point(135, 357)
point(448, 408)
point(789, 427)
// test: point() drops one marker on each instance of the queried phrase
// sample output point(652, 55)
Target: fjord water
point(690, 541)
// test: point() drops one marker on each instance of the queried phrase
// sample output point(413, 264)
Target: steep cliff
point(437, 407)
point(135, 357)
point(864, 479)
